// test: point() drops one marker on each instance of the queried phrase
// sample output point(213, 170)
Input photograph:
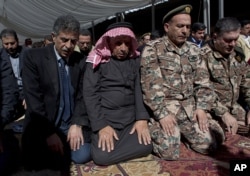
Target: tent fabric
point(35, 18)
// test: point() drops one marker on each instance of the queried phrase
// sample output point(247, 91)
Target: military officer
point(176, 87)
point(230, 76)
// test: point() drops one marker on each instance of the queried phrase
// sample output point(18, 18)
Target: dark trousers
point(10, 157)
point(35, 152)
point(126, 148)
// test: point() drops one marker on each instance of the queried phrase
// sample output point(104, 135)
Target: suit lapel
point(52, 68)
point(6, 56)
point(74, 72)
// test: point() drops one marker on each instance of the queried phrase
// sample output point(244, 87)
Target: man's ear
point(166, 25)
point(53, 34)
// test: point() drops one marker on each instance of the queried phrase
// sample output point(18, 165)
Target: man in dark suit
point(12, 52)
point(56, 129)
point(197, 34)
point(9, 147)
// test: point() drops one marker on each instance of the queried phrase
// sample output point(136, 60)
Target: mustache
point(124, 52)
point(11, 50)
point(66, 49)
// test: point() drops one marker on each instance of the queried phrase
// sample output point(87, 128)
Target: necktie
point(65, 90)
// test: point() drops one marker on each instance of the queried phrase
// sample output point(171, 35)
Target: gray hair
point(226, 24)
point(66, 23)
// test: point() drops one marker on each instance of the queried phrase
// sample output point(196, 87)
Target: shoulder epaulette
point(240, 56)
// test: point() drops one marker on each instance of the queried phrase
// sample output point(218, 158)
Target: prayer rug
point(145, 166)
point(190, 163)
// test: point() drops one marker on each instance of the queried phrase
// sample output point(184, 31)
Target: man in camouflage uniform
point(230, 76)
point(176, 87)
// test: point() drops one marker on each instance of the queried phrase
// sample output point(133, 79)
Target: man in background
point(47, 40)
point(197, 34)
point(145, 38)
point(13, 54)
point(28, 43)
point(9, 145)
point(244, 39)
point(84, 44)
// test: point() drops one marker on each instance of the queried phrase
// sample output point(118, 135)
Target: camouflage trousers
point(168, 147)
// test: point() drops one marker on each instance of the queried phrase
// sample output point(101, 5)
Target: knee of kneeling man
point(81, 159)
point(205, 149)
point(170, 157)
point(101, 158)
point(167, 154)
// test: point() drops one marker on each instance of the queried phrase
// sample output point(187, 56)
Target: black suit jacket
point(8, 93)
point(42, 88)
point(191, 40)
point(5, 56)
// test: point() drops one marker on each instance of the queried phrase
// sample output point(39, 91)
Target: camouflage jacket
point(174, 77)
point(229, 77)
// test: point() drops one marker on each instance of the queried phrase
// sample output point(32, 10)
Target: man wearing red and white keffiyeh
point(113, 97)
point(102, 52)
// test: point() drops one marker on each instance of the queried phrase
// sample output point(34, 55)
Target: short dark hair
point(145, 34)
point(198, 26)
point(9, 32)
point(155, 34)
point(48, 37)
point(85, 32)
point(244, 22)
point(226, 24)
point(28, 41)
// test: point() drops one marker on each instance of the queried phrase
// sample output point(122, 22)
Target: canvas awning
point(34, 18)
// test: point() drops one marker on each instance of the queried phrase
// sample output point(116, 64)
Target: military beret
point(183, 9)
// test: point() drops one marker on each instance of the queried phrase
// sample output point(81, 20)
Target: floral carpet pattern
point(190, 163)
point(145, 166)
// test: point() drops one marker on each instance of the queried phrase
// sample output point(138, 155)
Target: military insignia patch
point(188, 9)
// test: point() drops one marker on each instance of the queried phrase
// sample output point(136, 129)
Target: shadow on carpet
point(190, 163)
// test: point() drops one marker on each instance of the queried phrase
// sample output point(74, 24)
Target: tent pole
point(93, 31)
point(153, 15)
point(206, 14)
point(221, 9)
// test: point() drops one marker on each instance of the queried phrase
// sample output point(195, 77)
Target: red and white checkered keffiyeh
point(101, 53)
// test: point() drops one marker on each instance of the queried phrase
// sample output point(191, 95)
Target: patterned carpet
point(189, 164)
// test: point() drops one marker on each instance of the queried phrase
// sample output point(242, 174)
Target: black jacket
point(8, 93)
point(42, 88)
